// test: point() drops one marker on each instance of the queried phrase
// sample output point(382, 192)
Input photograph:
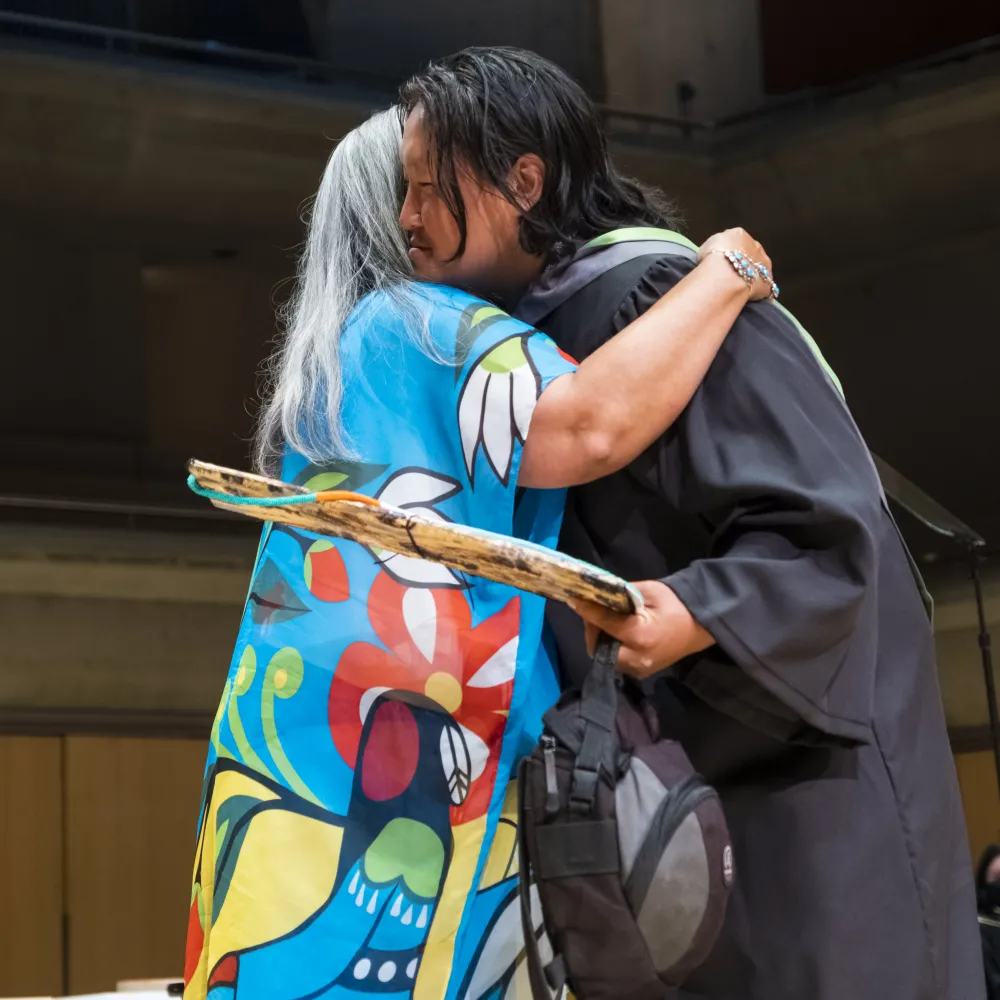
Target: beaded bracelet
point(749, 270)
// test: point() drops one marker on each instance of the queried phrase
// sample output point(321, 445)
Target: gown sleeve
point(768, 456)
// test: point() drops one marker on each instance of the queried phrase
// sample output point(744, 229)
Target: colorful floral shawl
point(357, 826)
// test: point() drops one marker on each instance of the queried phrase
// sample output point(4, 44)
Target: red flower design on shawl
point(432, 648)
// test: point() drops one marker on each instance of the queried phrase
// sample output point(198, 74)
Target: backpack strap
point(545, 980)
point(598, 706)
point(596, 749)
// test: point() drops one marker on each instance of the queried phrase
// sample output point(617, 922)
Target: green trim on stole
point(639, 234)
point(814, 347)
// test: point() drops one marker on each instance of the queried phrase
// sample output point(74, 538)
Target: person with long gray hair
point(355, 831)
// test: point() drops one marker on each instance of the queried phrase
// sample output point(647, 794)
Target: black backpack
point(626, 846)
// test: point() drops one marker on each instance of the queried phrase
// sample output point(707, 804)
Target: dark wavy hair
point(486, 107)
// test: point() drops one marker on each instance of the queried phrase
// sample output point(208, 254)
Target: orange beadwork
point(325, 495)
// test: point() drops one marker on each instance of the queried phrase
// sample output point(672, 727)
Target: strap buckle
point(583, 791)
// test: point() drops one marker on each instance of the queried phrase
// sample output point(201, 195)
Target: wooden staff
point(523, 565)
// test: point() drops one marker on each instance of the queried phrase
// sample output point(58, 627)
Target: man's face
point(493, 263)
point(993, 871)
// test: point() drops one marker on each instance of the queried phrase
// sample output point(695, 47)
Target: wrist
point(722, 270)
point(680, 633)
point(749, 271)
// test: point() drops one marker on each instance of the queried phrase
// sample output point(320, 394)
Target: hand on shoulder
point(746, 257)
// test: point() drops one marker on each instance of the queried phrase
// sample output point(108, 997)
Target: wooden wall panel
point(30, 866)
point(131, 811)
point(978, 781)
point(131, 808)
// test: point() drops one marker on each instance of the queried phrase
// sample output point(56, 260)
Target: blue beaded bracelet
point(749, 270)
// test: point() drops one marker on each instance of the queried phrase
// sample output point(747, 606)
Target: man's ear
point(527, 180)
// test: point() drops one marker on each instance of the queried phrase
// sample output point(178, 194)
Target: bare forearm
point(629, 391)
point(643, 378)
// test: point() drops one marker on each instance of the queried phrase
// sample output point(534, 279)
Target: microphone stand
point(975, 558)
point(936, 517)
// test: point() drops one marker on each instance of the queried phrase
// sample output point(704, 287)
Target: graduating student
point(785, 633)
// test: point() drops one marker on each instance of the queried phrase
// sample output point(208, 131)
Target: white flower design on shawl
point(496, 404)
point(417, 491)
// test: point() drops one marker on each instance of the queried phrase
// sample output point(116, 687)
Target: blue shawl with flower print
point(357, 826)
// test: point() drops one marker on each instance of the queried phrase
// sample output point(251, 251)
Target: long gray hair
point(355, 246)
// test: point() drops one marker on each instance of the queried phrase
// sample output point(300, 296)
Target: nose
point(409, 217)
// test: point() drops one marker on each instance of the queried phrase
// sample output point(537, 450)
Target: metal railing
point(131, 515)
point(807, 99)
point(130, 42)
point(70, 506)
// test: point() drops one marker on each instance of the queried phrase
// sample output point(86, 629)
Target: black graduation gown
point(818, 715)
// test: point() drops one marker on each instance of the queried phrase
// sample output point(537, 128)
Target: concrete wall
point(207, 328)
point(117, 372)
point(387, 40)
point(116, 619)
point(652, 45)
point(70, 307)
point(160, 159)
